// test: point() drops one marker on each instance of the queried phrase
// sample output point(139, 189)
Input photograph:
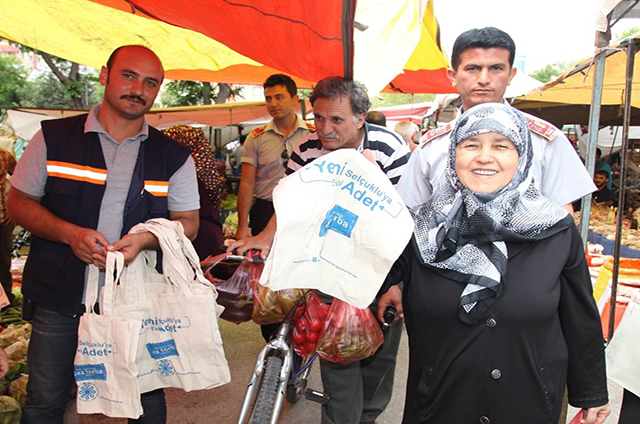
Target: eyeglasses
point(285, 156)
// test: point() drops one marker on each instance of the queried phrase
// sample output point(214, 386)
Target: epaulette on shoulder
point(257, 131)
point(542, 128)
point(435, 133)
point(310, 126)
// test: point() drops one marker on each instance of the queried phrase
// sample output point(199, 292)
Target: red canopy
point(279, 34)
point(245, 41)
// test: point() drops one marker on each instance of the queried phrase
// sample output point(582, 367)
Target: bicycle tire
point(265, 400)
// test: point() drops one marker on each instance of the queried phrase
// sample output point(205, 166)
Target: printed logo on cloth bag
point(340, 220)
point(90, 372)
point(163, 349)
point(87, 392)
point(165, 325)
point(166, 368)
point(367, 192)
point(96, 348)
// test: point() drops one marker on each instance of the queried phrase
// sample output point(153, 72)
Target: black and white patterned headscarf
point(462, 233)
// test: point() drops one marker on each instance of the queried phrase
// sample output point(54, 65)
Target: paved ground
point(221, 405)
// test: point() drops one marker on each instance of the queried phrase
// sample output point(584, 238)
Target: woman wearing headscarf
point(497, 295)
point(210, 187)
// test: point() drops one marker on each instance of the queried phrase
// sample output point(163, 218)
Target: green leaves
point(12, 79)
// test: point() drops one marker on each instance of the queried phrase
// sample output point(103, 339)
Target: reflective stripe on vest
point(72, 171)
point(157, 188)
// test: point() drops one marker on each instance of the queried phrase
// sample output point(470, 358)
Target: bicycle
point(273, 378)
point(278, 374)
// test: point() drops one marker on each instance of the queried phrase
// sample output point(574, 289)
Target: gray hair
point(406, 128)
point(332, 87)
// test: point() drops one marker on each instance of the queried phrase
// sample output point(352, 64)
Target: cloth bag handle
point(132, 281)
point(181, 265)
point(112, 273)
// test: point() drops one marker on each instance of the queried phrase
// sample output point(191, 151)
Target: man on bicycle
point(360, 391)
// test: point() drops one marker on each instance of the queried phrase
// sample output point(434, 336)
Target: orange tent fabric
point(245, 41)
point(281, 32)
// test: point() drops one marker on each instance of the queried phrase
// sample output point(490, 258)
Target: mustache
point(134, 98)
point(331, 136)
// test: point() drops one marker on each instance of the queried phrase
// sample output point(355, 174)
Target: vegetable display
point(14, 339)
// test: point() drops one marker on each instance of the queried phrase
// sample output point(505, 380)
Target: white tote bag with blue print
point(340, 227)
point(180, 344)
point(105, 368)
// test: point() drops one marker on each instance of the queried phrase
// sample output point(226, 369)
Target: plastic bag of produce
point(10, 410)
point(349, 334)
point(18, 389)
point(309, 319)
point(18, 350)
point(14, 333)
point(271, 307)
point(235, 293)
point(16, 370)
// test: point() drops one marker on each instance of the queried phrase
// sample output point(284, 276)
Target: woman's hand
point(393, 297)
point(595, 415)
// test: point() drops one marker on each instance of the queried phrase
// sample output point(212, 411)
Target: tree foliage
point(400, 99)
point(46, 91)
point(193, 93)
point(627, 32)
point(550, 71)
point(70, 75)
point(12, 80)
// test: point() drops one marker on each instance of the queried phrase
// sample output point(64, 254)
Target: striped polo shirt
point(390, 151)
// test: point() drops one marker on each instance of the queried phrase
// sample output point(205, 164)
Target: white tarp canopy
point(609, 138)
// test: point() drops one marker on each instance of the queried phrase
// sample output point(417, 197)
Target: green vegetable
point(230, 203)
point(17, 294)
point(16, 370)
point(13, 333)
point(18, 350)
point(4, 386)
point(18, 389)
point(10, 411)
point(231, 222)
point(11, 320)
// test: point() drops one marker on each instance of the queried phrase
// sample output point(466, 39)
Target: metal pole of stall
point(631, 52)
point(594, 123)
point(217, 135)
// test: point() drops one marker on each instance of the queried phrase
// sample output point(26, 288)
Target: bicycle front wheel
point(265, 401)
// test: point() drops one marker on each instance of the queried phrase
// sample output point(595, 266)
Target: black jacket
point(53, 275)
point(512, 366)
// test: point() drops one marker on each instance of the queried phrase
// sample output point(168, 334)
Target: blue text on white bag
point(163, 349)
point(90, 372)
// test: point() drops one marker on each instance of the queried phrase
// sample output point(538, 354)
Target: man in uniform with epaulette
point(482, 68)
point(264, 158)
